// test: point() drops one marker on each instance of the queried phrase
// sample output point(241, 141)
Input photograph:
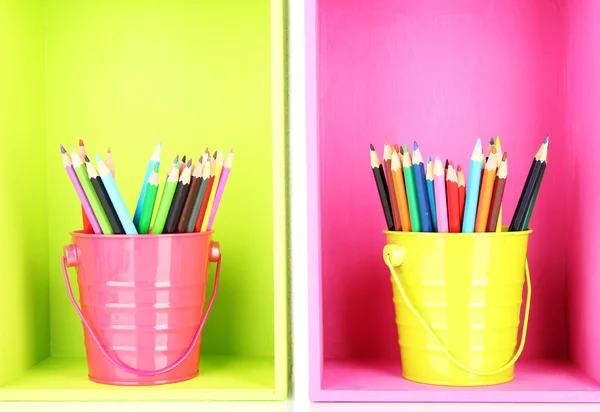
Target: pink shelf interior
point(444, 74)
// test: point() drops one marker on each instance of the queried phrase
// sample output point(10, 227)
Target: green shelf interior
point(127, 74)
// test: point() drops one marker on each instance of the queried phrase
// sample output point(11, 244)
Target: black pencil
point(382, 188)
point(183, 186)
point(518, 218)
point(191, 224)
point(104, 198)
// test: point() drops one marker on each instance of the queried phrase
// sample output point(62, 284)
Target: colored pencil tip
point(176, 159)
point(98, 159)
point(160, 144)
point(108, 150)
point(478, 143)
point(504, 156)
point(80, 142)
point(183, 159)
point(206, 150)
point(547, 139)
point(371, 146)
point(406, 148)
point(385, 142)
point(416, 146)
point(492, 141)
point(428, 159)
point(189, 163)
point(86, 158)
point(231, 151)
point(459, 168)
point(62, 149)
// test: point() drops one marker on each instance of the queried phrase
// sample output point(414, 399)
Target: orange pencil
point(485, 193)
point(453, 202)
point(462, 192)
point(398, 178)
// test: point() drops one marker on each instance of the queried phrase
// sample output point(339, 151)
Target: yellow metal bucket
point(458, 301)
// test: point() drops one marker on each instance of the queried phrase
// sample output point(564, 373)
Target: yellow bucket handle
point(393, 255)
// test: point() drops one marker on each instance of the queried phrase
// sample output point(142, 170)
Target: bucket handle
point(393, 255)
point(214, 253)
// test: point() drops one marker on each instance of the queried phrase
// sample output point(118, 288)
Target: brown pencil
point(181, 191)
point(387, 163)
point(190, 198)
point(382, 189)
point(497, 194)
point(485, 193)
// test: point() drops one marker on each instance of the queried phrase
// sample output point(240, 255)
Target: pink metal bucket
point(142, 303)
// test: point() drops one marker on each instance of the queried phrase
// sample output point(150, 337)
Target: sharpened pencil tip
point(371, 146)
point(80, 142)
point(428, 159)
point(415, 146)
point(492, 141)
point(62, 149)
point(547, 139)
point(406, 148)
point(98, 159)
point(459, 168)
point(385, 142)
point(176, 159)
point(478, 143)
point(86, 158)
point(231, 151)
point(189, 163)
point(108, 150)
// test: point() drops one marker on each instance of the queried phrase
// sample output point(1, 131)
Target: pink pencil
point(220, 188)
point(80, 193)
point(439, 186)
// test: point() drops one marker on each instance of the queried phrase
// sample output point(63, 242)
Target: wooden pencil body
point(188, 204)
point(496, 202)
point(392, 193)
point(384, 196)
point(176, 207)
point(107, 205)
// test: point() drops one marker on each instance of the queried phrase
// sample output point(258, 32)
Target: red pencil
point(453, 202)
point(462, 191)
point(87, 226)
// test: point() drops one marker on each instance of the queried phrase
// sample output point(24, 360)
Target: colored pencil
point(84, 179)
point(87, 226)
point(108, 161)
point(421, 189)
point(453, 201)
point(468, 225)
point(485, 193)
point(86, 207)
point(462, 192)
point(183, 186)
point(190, 197)
point(439, 183)
point(166, 198)
point(387, 166)
point(221, 188)
point(182, 164)
point(498, 192)
point(218, 158)
point(149, 201)
point(154, 159)
point(398, 178)
point(536, 189)
point(107, 206)
point(431, 193)
point(115, 197)
point(499, 155)
point(411, 191)
point(199, 197)
point(518, 218)
point(382, 188)
point(211, 182)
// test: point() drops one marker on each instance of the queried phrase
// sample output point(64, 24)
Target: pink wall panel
point(583, 196)
point(442, 75)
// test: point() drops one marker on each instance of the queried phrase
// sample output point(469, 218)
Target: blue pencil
point(421, 186)
point(431, 193)
point(115, 197)
point(473, 186)
point(154, 160)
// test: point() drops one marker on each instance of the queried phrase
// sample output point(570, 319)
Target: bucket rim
point(504, 233)
point(81, 234)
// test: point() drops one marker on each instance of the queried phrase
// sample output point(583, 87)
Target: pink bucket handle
point(215, 255)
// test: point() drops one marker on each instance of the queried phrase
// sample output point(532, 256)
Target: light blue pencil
point(115, 197)
point(431, 193)
point(473, 186)
point(154, 160)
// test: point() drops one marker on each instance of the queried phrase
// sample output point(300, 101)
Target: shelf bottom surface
point(220, 378)
point(367, 380)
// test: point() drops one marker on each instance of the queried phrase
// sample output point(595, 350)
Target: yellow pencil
point(499, 155)
point(218, 168)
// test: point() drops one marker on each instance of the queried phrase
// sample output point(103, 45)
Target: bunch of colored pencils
point(435, 197)
point(189, 201)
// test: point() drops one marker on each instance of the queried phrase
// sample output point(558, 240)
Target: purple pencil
point(439, 186)
point(220, 188)
point(80, 193)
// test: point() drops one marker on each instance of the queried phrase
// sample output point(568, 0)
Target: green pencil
point(411, 191)
point(86, 184)
point(149, 201)
point(165, 201)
